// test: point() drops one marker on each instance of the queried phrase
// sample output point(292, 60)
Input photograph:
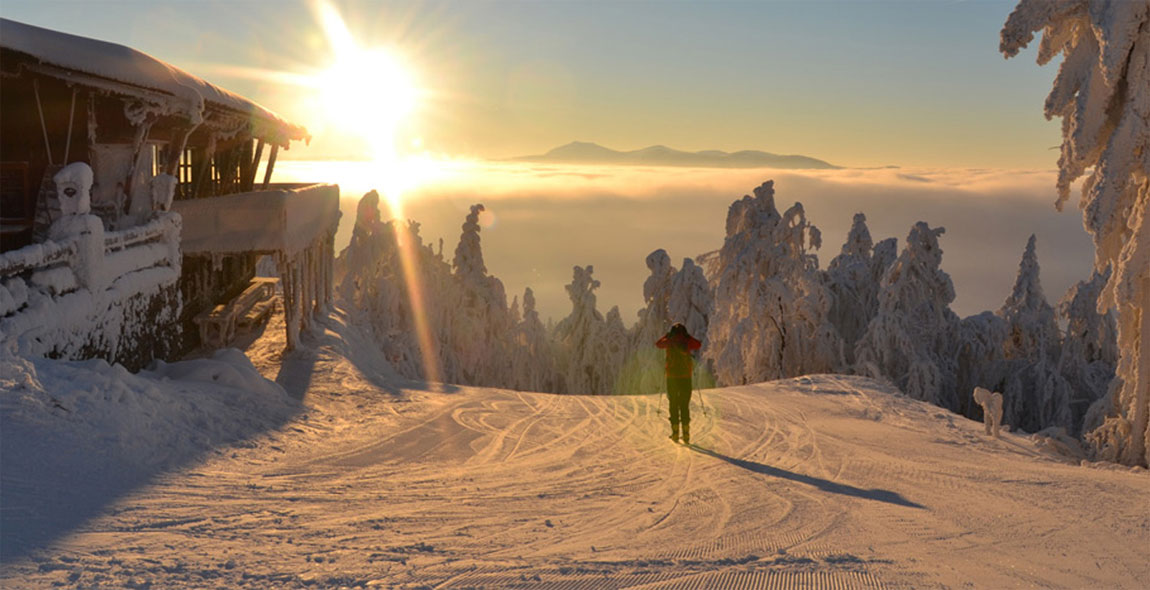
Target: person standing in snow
point(679, 367)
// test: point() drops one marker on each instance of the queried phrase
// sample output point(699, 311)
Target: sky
point(862, 84)
point(857, 83)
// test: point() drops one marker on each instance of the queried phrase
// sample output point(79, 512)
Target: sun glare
point(369, 93)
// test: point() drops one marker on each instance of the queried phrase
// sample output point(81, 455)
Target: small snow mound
point(1056, 441)
point(228, 367)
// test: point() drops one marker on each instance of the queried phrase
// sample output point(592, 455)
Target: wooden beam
point(271, 165)
point(250, 181)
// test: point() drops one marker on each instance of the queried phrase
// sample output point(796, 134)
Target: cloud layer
point(544, 219)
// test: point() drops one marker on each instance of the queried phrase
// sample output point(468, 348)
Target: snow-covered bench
point(218, 325)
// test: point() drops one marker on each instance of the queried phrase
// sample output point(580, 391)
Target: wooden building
point(154, 136)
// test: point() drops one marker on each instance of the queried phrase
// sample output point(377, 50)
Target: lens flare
point(368, 91)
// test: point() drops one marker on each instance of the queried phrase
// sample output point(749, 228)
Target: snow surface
point(202, 475)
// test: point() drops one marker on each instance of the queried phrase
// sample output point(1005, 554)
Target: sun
point(367, 92)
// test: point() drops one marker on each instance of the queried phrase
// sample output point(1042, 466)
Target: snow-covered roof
point(125, 65)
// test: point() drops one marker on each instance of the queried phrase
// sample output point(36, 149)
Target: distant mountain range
point(579, 152)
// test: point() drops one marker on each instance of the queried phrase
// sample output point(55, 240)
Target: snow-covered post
point(329, 271)
point(163, 190)
point(1101, 93)
point(73, 189)
point(314, 256)
point(287, 272)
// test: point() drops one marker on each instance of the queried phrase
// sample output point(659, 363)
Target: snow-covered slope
point(357, 478)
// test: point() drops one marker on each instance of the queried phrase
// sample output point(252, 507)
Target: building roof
point(104, 61)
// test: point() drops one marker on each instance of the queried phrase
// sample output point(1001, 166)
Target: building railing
point(88, 260)
point(279, 220)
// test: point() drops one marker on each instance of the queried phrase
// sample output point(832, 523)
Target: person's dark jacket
point(679, 346)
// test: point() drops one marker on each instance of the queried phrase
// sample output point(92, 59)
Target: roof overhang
point(118, 69)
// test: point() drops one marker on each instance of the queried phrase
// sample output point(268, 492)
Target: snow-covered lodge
point(136, 200)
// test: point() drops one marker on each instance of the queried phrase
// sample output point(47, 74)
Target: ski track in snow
point(816, 482)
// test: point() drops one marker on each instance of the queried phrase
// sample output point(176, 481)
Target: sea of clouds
point(543, 219)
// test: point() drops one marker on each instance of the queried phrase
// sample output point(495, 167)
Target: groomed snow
point(201, 475)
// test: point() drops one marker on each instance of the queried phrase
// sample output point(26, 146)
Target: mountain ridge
point(583, 152)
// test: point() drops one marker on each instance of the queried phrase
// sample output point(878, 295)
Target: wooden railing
point(65, 266)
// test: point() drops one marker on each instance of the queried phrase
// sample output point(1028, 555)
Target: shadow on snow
point(50, 486)
point(822, 484)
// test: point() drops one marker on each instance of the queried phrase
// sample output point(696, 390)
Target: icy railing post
point(73, 189)
point(163, 189)
point(991, 403)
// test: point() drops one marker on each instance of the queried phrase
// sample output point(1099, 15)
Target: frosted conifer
point(770, 318)
point(853, 286)
point(1035, 396)
point(643, 371)
point(532, 365)
point(1089, 349)
point(1102, 94)
point(911, 341)
point(980, 360)
point(578, 334)
point(691, 299)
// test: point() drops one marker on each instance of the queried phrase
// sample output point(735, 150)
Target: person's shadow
point(822, 484)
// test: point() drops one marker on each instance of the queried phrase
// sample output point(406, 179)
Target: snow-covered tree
point(614, 344)
point(481, 326)
point(1036, 395)
point(770, 318)
point(912, 339)
point(1089, 348)
point(578, 335)
point(854, 286)
point(643, 370)
point(691, 299)
point(1102, 94)
point(980, 360)
point(691, 304)
point(532, 362)
point(377, 283)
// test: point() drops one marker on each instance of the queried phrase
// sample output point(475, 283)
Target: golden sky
point(856, 83)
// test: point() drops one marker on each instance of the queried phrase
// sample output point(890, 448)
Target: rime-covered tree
point(1089, 349)
point(614, 344)
point(376, 284)
point(691, 299)
point(979, 359)
point(1102, 94)
point(578, 335)
point(853, 286)
point(532, 362)
point(912, 339)
point(1035, 395)
point(691, 304)
point(884, 255)
point(643, 370)
point(480, 323)
point(770, 317)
